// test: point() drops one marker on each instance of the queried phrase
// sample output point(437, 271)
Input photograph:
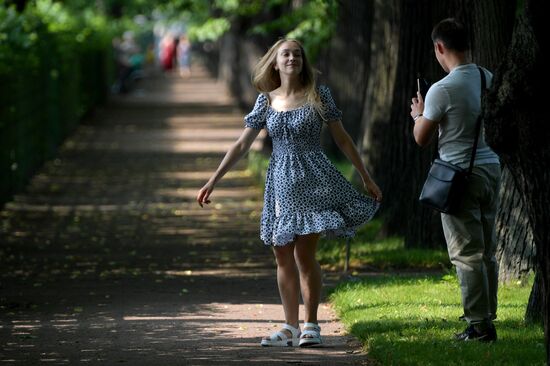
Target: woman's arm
point(346, 145)
point(236, 152)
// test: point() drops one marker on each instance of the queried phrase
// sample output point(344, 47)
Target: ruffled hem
point(329, 224)
point(288, 238)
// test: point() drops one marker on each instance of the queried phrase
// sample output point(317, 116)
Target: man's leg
point(465, 236)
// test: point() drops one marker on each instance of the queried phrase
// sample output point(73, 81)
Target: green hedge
point(54, 68)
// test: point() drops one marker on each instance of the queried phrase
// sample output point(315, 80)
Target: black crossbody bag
point(446, 182)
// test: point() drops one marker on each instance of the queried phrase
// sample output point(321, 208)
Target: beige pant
point(471, 242)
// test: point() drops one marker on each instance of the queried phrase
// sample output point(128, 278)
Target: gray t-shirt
point(455, 102)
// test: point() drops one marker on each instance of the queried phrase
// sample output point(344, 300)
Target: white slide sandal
point(313, 335)
point(280, 339)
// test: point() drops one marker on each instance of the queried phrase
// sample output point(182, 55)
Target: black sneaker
point(473, 334)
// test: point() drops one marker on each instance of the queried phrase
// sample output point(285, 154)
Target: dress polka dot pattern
point(304, 192)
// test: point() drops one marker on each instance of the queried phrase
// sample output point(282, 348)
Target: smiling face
point(289, 58)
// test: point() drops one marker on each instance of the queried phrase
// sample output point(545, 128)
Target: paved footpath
point(105, 259)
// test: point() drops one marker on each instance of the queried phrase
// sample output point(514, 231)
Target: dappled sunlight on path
point(107, 259)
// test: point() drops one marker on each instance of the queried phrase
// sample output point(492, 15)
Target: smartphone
point(422, 86)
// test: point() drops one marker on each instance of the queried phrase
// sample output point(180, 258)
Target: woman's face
point(289, 58)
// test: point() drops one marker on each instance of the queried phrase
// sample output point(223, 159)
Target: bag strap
point(478, 124)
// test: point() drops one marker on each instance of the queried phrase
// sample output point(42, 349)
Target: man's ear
point(440, 47)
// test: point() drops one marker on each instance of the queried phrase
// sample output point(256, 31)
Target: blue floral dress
point(304, 192)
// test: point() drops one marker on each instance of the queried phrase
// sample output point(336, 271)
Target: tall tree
point(516, 249)
point(516, 252)
point(401, 36)
point(344, 64)
point(515, 120)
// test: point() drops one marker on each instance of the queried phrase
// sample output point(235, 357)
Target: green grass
point(410, 320)
point(257, 164)
point(344, 166)
point(370, 253)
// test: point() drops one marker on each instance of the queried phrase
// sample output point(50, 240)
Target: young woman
point(305, 195)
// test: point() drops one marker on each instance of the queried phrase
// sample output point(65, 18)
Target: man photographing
point(452, 107)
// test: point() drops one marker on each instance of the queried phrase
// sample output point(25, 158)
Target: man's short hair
point(452, 33)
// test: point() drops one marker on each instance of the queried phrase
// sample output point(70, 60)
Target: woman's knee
point(305, 258)
point(284, 255)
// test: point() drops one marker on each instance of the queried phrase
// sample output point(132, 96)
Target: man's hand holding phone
point(417, 106)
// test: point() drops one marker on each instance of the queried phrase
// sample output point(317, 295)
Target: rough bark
point(380, 87)
point(516, 126)
point(344, 66)
point(516, 252)
point(423, 229)
point(490, 25)
point(228, 69)
point(516, 249)
point(533, 314)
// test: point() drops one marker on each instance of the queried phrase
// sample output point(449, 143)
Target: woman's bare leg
point(289, 283)
point(310, 274)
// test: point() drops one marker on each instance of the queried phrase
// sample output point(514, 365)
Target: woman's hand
point(204, 194)
point(372, 189)
point(236, 151)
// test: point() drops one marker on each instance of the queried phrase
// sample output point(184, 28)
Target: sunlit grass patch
point(370, 253)
point(257, 165)
point(411, 320)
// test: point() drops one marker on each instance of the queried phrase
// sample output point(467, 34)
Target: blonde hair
point(266, 79)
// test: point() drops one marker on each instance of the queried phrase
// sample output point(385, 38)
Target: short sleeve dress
point(304, 192)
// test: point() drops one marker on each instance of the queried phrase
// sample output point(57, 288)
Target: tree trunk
point(516, 125)
point(345, 65)
point(533, 314)
point(423, 228)
point(229, 59)
point(516, 249)
point(380, 89)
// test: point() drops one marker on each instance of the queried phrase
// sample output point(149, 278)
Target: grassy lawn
point(368, 253)
point(410, 320)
